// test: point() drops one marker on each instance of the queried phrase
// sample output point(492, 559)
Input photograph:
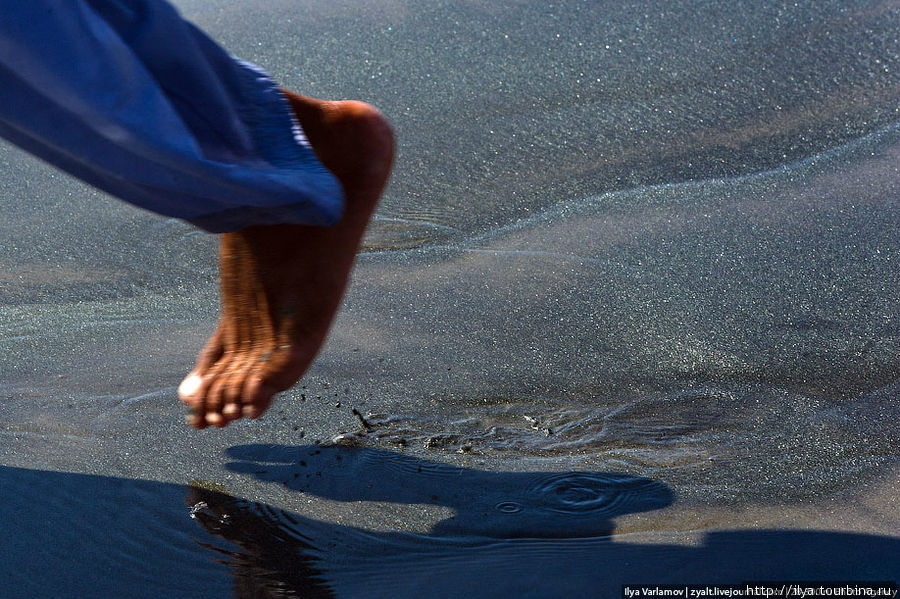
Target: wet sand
point(631, 300)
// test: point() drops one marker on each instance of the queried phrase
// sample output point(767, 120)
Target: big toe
point(189, 391)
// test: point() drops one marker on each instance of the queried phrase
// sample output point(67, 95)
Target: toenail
point(189, 385)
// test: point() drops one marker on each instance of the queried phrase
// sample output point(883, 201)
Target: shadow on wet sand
point(533, 534)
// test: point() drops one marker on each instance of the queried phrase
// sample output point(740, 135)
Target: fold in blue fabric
point(131, 98)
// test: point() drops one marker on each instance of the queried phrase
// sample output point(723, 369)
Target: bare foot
point(281, 285)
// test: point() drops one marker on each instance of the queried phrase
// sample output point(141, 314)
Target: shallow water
point(628, 314)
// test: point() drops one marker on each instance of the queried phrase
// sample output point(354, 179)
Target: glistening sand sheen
point(627, 246)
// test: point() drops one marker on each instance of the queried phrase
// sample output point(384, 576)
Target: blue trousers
point(129, 97)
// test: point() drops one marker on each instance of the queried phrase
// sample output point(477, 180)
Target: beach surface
point(629, 313)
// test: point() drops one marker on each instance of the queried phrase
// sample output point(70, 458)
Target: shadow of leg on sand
point(513, 534)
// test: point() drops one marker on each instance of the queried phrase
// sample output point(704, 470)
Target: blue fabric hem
point(132, 99)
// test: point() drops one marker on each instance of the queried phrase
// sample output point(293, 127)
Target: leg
point(282, 285)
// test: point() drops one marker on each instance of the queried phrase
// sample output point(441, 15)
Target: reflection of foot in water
point(281, 285)
point(276, 559)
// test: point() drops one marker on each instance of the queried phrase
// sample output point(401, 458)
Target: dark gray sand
point(629, 313)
